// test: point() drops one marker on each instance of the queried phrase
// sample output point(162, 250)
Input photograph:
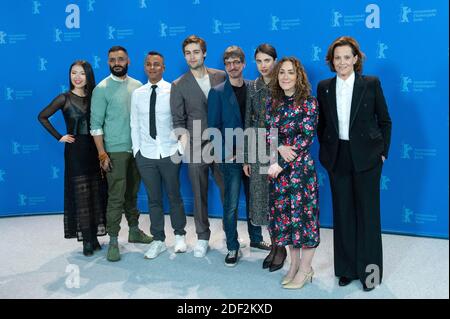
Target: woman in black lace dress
point(84, 188)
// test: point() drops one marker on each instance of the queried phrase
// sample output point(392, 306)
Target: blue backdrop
point(406, 43)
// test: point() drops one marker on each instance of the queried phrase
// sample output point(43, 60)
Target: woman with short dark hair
point(255, 115)
point(354, 134)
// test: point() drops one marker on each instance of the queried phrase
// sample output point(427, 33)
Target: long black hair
point(90, 79)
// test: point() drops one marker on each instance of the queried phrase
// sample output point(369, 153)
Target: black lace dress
point(85, 191)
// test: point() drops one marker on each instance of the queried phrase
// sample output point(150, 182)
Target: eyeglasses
point(115, 60)
point(230, 63)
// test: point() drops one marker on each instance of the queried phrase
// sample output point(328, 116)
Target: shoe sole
point(272, 269)
point(140, 242)
point(231, 265)
point(239, 257)
point(177, 251)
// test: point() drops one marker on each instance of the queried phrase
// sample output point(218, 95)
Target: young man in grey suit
point(188, 103)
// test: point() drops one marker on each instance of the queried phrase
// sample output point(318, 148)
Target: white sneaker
point(201, 248)
point(156, 248)
point(180, 244)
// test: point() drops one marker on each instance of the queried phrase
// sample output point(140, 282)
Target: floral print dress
point(294, 198)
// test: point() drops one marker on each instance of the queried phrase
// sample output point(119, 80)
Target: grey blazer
point(189, 103)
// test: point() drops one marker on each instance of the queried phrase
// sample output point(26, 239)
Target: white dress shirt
point(344, 92)
point(166, 143)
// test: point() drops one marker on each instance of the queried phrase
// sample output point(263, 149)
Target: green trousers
point(123, 186)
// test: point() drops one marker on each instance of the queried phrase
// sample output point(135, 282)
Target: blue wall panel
point(406, 43)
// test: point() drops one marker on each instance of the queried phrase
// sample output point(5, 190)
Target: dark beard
point(120, 73)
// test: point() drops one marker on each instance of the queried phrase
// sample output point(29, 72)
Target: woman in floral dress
point(293, 200)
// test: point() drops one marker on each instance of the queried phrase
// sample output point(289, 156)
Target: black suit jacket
point(370, 123)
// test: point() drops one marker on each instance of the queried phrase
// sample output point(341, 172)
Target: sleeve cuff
point(96, 132)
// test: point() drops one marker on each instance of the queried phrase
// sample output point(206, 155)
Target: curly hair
point(302, 85)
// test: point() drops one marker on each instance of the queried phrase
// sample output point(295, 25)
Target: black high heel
point(276, 262)
point(269, 258)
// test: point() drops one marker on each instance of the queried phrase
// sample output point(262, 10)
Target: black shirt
point(241, 96)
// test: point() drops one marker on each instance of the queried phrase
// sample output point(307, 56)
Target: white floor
point(37, 262)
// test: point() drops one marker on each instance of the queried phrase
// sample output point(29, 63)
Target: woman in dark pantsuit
point(354, 133)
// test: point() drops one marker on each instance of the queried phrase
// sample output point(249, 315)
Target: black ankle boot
point(88, 249)
point(278, 259)
point(95, 244)
point(268, 260)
